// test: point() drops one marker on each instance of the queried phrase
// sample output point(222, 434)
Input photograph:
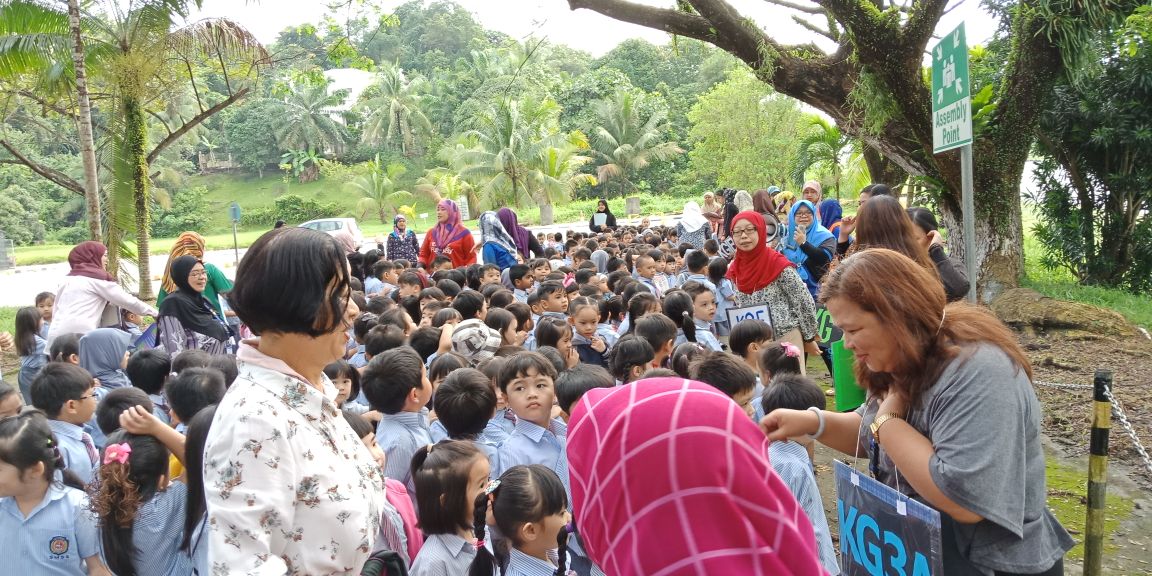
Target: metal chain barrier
point(1117, 412)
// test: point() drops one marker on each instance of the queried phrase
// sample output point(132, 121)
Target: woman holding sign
point(951, 420)
point(768, 287)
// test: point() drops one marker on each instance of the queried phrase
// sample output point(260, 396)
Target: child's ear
point(637, 372)
point(754, 348)
point(530, 531)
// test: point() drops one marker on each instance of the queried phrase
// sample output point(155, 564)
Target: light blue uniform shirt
point(443, 555)
point(70, 439)
point(520, 295)
point(521, 564)
point(400, 435)
point(488, 447)
point(373, 285)
point(706, 281)
point(54, 539)
point(790, 460)
point(704, 336)
point(531, 444)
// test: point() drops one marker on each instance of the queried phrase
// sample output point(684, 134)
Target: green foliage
point(187, 212)
point(394, 114)
point(378, 189)
point(291, 208)
point(743, 135)
point(249, 139)
point(18, 218)
point(304, 121)
point(626, 140)
point(1095, 181)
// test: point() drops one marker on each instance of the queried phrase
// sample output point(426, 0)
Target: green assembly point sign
point(951, 96)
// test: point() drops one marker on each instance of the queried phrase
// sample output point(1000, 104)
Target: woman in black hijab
point(187, 320)
point(607, 220)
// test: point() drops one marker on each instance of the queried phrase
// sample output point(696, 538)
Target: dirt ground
point(1067, 421)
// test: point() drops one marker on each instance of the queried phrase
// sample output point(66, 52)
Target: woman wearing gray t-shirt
point(952, 419)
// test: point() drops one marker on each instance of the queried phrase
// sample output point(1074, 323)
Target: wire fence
point(1118, 414)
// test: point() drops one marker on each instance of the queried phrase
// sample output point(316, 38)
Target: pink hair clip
point(790, 349)
point(117, 453)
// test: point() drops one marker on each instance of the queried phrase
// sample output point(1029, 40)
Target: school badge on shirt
point(58, 546)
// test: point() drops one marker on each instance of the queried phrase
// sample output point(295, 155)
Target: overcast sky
point(582, 29)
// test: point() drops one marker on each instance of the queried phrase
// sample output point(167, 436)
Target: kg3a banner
point(883, 531)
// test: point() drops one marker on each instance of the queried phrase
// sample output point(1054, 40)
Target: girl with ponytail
point(44, 520)
point(530, 509)
point(449, 477)
point(141, 514)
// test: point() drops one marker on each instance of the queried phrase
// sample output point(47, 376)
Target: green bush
point(73, 235)
point(292, 209)
point(189, 211)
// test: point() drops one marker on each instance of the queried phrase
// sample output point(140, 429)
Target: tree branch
point(162, 121)
point(921, 22)
point(53, 107)
point(53, 175)
point(195, 121)
point(814, 28)
point(794, 6)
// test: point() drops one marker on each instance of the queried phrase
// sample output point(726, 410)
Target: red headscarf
point(85, 260)
point(669, 476)
point(760, 266)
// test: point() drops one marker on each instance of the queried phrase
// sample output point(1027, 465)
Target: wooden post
point(1097, 474)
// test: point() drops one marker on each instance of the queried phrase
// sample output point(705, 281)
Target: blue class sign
point(883, 532)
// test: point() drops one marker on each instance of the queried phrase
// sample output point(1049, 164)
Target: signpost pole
point(968, 205)
point(234, 212)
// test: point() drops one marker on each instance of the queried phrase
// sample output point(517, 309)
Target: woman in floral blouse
point(289, 486)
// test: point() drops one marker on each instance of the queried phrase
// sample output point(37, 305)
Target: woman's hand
point(6, 341)
point(893, 403)
point(812, 348)
point(782, 424)
point(800, 237)
point(847, 227)
point(933, 239)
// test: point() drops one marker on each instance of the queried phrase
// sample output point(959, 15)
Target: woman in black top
point(609, 220)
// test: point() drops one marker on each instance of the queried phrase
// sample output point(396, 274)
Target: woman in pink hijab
point(670, 477)
point(448, 238)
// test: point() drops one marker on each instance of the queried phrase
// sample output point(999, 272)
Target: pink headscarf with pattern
point(671, 477)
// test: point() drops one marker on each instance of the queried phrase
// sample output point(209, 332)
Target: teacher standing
point(764, 277)
point(602, 220)
point(448, 238)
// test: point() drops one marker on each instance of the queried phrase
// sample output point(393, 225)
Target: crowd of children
point(459, 381)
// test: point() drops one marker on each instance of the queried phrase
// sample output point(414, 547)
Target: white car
point(331, 226)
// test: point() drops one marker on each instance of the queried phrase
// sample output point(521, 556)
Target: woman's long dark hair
point(195, 506)
point(28, 321)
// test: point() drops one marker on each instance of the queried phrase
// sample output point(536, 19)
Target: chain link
point(1118, 412)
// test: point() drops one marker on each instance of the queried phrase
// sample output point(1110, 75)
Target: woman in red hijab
point(669, 476)
point(768, 286)
point(87, 291)
point(448, 238)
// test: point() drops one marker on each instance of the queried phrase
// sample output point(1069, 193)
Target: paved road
point(19, 287)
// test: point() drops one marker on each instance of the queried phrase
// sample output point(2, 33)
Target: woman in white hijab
point(693, 227)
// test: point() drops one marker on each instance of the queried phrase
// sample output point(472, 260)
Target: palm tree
point(130, 46)
point(440, 183)
point(625, 143)
point(498, 152)
point(556, 174)
point(823, 148)
point(306, 119)
point(378, 188)
point(395, 112)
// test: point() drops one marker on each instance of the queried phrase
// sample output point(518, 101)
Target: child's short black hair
point(148, 369)
point(517, 272)
point(56, 384)
point(747, 332)
point(523, 314)
point(501, 298)
point(390, 377)
point(439, 261)
point(464, 403)
point(657, 329)
point(379, 304)
point(190, 358)
point(711, 247)
point(696, 261)
point(629, 352)
point(722, 371)
point(573, 383)
point(445, 316)
point(469, 304)
point(445, 364)
point(226, 364)
point(409, 278)
point(380, 268)
point(548, 288)
point(64, 347)
point(193, 390)
point(449, 287)
point(488, 290)
point(383, 338)
point(794, 392)
point(114, 404)
point(583, 275)
point(425, 341)
point(433, 293)
point(363, 324)
point(518, 366)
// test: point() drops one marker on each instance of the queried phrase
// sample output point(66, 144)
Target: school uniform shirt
point(790, 461)
point(54, 539)
point(725, 298)
point(160, 408)
point(588, 355)
point(400, 435)
point(501, 426)
point(704, 336)
point(440, 434)
point(706, 281)
point(520, 295)
point(290, 488)
point(651, 284)
point(77, 447)
point(157, 533)
point(531, 444)
point(443, 555)
point(521, 564)
point(30, 366)
point(373, 285)
point(357, 360)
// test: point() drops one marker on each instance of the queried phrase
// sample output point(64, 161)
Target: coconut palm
point(394, 112)
point(824, 148)
point(129, 45)
point(440, 183)
point(378, 188)
point(307, 118)
point(625, 142)
point(556, 174)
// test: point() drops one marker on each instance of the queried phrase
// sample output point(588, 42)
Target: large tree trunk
point(84, 124)
point(135, 152)
point(882, 169)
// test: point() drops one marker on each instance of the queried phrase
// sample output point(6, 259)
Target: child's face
point(704, 306)
point(80, 410)
point(10, 406)
point(565, 348)
point(646, 268)
point(531, 396)
point(45, 309)
point(426, 316)
point(390, 276)
point(513, 337)
point(477, 483)
point(555, 302)
point(542, 270)
point(132, 318)
point(424, 393)
point(547, 529)
point(526, 282)
point(377, 454)
point(661, 267)
point(343, 389)
point(585, 321)
point(745, 400)
point(407, 290)
point(490, 277)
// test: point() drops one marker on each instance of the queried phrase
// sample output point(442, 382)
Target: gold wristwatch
point(880, 420)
